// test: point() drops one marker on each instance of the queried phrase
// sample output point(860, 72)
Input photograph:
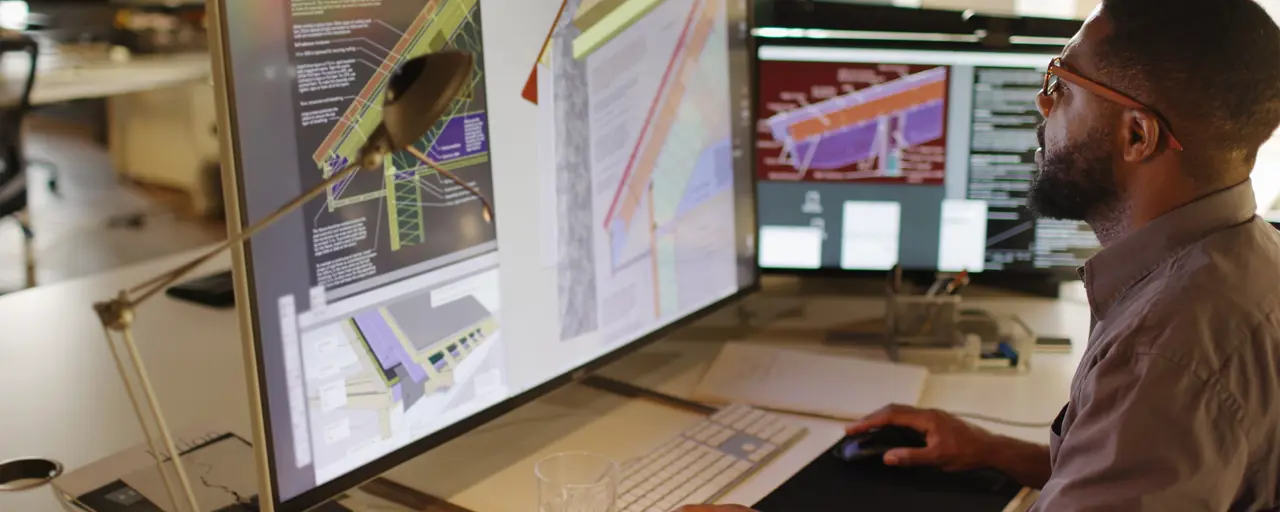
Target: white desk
point(161, 112)
point(60, 397)
point(59, 81)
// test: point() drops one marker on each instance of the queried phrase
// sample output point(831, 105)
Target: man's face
point(1076, 177)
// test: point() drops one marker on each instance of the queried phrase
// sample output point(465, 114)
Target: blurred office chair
point(13, 175)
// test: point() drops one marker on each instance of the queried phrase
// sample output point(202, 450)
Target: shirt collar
point(1115, 269)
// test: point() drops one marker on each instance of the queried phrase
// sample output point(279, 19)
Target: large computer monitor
point(388, 317)
point(871, 156)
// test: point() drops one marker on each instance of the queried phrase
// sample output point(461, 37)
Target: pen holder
point(922, 320)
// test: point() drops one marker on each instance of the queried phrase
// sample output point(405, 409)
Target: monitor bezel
point(242, 271)
point(831, 36)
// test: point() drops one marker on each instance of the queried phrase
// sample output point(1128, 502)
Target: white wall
point(1266, 174)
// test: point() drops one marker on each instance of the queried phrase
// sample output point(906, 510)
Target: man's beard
point(1075, 182)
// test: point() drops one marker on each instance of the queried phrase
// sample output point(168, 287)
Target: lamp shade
point(420, 91)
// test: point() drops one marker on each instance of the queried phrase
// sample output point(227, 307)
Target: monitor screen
point(389, 310)
point(869, 158)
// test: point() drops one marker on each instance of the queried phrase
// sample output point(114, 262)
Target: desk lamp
point(417, 95)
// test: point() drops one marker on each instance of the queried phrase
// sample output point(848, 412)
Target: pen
point(957, 284)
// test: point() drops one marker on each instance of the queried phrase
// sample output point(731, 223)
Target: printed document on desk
point(806, 382)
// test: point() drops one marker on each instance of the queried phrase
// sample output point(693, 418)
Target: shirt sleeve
point(1148, 434)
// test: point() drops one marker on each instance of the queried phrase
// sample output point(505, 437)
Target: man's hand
point(714, 508)
point(953, 444)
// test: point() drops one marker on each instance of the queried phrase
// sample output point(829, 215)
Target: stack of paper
point(805, 382)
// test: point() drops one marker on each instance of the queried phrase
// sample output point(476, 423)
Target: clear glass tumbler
point(577, 482)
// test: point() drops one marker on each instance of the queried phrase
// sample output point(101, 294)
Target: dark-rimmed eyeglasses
point(1056, 72)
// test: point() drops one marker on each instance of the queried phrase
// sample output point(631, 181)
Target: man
point(1154, 116)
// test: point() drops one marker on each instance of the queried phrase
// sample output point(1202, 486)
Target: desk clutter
point(933, 329)
point(224, 479)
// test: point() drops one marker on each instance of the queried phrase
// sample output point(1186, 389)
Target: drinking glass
point(577, 482)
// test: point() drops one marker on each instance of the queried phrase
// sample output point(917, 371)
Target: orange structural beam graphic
point(635, 180)
point(530, 92)
point(863, 112)
point(365, 99)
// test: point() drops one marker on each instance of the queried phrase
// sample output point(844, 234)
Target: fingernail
point(891, 460)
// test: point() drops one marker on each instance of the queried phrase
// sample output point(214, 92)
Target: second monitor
point(869, 158)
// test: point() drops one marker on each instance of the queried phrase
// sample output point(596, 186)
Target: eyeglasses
point(1055, 72)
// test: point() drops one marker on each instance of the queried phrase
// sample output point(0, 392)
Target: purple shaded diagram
point(386, 345)
point(419, 346)
point(871, 126)
point(462, 137)
point(712, 174)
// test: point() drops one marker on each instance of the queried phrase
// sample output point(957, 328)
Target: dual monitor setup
point(682, 148)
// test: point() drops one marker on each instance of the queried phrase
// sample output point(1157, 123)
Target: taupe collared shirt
point(1176, 403)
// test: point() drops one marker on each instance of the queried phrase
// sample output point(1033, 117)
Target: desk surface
point(60, 396)
point(62, 80)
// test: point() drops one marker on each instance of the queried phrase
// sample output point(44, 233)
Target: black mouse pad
point(830, 484)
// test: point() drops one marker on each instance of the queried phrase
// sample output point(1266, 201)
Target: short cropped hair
point(1212, 67)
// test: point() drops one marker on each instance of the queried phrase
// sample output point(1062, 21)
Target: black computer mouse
point(872, 445)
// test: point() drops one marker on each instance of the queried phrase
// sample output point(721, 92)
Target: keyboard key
point(761, 453)
point(772, 430)
point(733, 416)
point(785, 434)
point(720, 437)
point(703, 494)
point(760, 426)
point(722, 464)
point(754, 415)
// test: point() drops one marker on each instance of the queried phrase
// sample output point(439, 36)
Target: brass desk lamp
point(417, 94)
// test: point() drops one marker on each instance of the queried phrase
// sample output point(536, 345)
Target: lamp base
point(26, 474)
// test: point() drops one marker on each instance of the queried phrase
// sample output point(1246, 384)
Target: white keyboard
point(705, 461)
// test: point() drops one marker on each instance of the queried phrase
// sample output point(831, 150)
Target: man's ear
point(1142, 133)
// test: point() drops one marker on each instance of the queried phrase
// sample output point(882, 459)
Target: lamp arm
point(148, 289)
point(488, 208)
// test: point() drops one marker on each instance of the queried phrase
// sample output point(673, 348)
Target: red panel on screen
point(853, 122)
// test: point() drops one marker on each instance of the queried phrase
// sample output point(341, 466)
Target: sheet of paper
point(337, 431)
point(333, 395)
point(337, 349)
point(807, 382)
point(220, 473)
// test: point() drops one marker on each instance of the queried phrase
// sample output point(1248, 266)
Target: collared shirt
point(1176, 403)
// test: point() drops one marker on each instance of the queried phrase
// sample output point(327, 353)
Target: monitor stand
point(413, 499)
point(628, 390)
point(363, 498)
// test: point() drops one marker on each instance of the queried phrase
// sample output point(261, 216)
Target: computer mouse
point(872, 445)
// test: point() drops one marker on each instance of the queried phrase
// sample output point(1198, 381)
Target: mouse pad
point(830, 484)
